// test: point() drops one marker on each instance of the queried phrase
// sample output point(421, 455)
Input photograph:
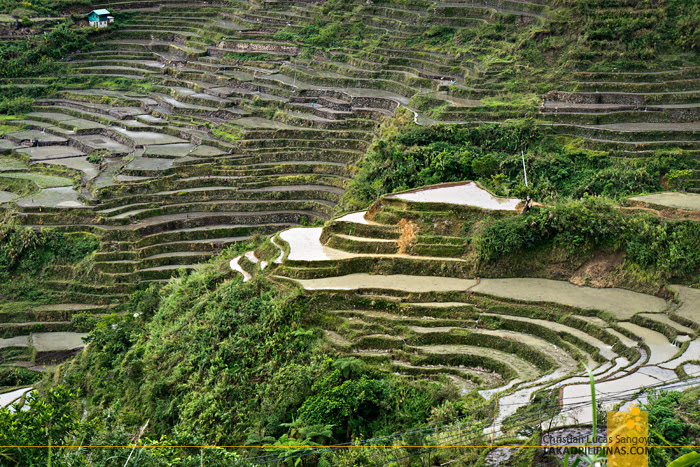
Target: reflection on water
point(466, 194)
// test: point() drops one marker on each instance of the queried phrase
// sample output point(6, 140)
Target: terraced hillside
point(407, 300)
point(188, 127)
point(205, 123)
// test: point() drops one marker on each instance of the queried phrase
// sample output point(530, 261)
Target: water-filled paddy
point(692, 353)
point(52, 152)
point(661, 349)
point(105, 143)
point(305, 245)
point(56, 116)
point(622, 303)
point(145, 163)
point(9, 397)
point(77, 163)
point(181, 150)
point(16, 341)
point(7, 144)
point(671, 200)
point(148, 137)
point(237, 267)
point(690, 307)
point(393, 282)
point(36, 135)
point(355, 217)
point(61, 197)
point(6, 196)
point(55, 341)
point(465, 194)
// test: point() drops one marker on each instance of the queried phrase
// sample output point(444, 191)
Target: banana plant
point(686, 460)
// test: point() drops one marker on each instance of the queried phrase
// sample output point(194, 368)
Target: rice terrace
point(348, 232)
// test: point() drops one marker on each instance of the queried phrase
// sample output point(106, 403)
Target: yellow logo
point(628, 438)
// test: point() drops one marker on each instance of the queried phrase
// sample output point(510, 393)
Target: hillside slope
point(203, 124)
point(168, 151)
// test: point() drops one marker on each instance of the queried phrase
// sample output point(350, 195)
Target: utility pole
point(527, 196)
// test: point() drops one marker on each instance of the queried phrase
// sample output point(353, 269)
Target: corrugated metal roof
point(100, 12)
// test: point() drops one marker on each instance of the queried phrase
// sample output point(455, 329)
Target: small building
point(100, 18)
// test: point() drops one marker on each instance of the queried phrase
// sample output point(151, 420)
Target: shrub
point(680, 179)
point(36, 55)
point(16, 105)
point(408, 156)
point(669, 246)
point(25, 253)
point(669, 426)
point(18, 376)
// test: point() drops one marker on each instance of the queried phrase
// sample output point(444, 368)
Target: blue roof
point(100, 12)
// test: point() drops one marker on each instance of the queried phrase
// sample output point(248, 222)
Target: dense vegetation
point(639, 33)
point(18, 376)
point(673, 418)
point(669, 247)
point(209, 360)
point(529, 55)
point(408, 156)
point(57, 418)
point(19, 8)
point(231, 363)
point(25, 255)
point(579, 188)
point(37, 55)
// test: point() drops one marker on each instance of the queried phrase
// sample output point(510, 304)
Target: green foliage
point(556, 171)
point(526, 102)
point(40, 7)
point(242, 57)
point(642, 33)
point(413, 156)
point(56, 419)
point(84, 322)
point(36, 55)
point(51, 420)
point(16, 105)
point(231, 134)
point(235, 363)
point(25, 253)
point(673, 420)
point(9, 92)
point(324, 34)
point(439, 32)
point(686, 460)
point(211, 360)
point(173, 449)
point(98, 156)
point(680, 178)
point(357, 402)
point(18, 376)
point(426, 155)
point(231, 339)
point(18, 186)
point(670, 246)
